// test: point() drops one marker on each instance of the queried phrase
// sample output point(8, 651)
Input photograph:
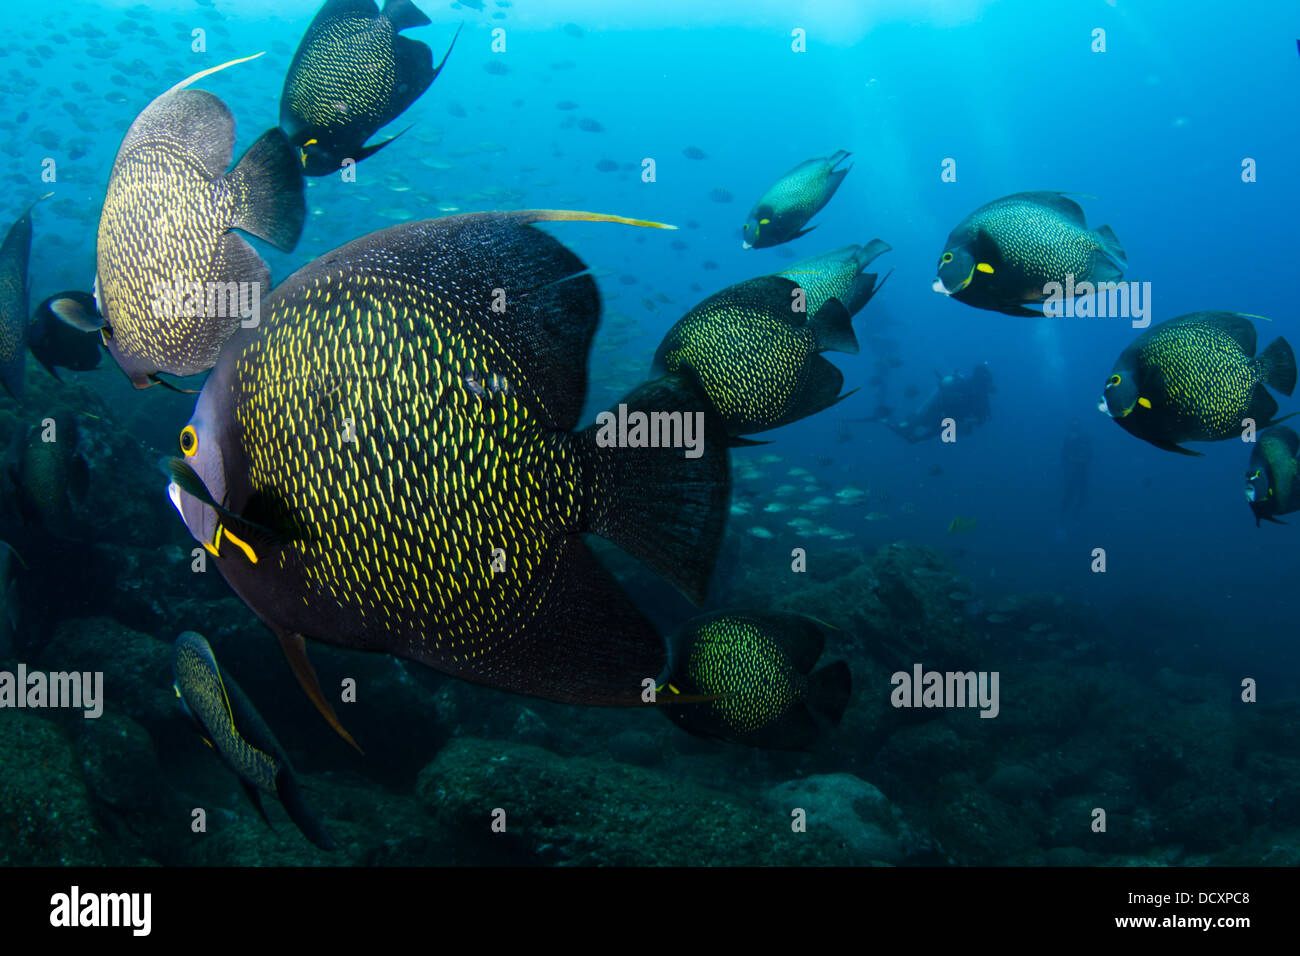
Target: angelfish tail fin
point(1277, 366)
point(286, 788)
point(667, 506)
point(829, 690)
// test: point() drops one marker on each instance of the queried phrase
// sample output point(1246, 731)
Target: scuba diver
point(963, 398)
point(1076, 456)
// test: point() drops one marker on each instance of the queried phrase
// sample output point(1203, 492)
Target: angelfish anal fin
point(295, 652)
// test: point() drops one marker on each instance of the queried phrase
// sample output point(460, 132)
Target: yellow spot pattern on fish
point(751, 363)
point(1209, 382)
point(824, 278)
point(205, 695)
point(163, 224)
point(347, 74)
point(1038, 242)
point(739, 659)
point(400, 523)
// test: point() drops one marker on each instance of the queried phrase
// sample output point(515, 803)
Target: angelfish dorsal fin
point(195, 77)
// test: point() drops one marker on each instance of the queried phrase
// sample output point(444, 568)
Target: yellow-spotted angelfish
point(1273, 475)
point(352, 74)
point(230, 725)
point(785, 208)
point(1006, 253)
point(757, 356)
point(1197, 378)
point(388, 462)
point(839, 275)
point(51, 478)
point(754, 673)
point(172, 280)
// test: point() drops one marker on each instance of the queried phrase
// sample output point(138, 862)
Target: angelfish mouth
point(174, 493)
point(1104, 406)
point(744, 244)
point(1250, 494)
point(940, 288)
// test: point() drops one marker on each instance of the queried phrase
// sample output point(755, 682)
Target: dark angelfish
point(51, 477)
point(229, 724)
point(62, 333)
point(352, 74)
point(757, 357)
point(785, 208)
point(755, 670)
point(1197, 378)
point(173, 281)
point(14, 256)
point(389, 462)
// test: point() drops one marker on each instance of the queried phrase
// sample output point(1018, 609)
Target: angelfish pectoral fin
point(295, 651)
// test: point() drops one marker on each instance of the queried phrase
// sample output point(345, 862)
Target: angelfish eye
point(947, 257)
point(1114, 380)
point(189, 441)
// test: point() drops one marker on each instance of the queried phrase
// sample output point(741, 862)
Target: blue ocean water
point(1149, 135)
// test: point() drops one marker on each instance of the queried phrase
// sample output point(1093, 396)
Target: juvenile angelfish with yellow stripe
point(231, 725)
point(389, 463)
